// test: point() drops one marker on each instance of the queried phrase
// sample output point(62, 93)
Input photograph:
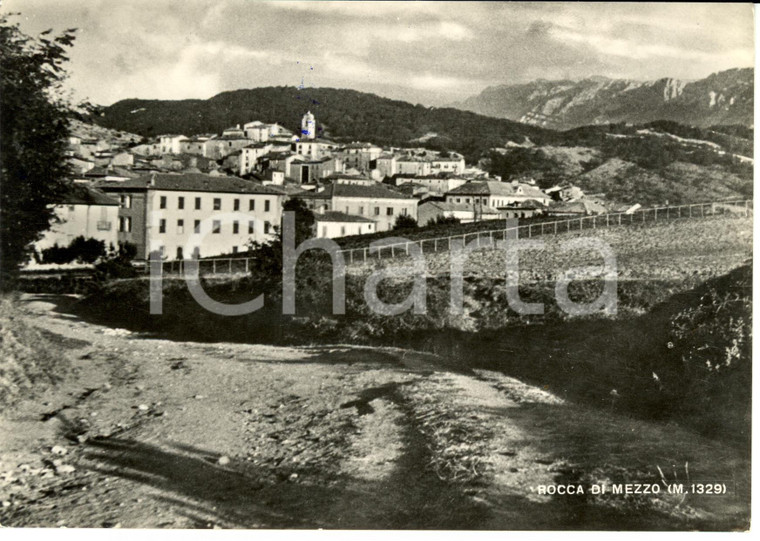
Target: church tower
point(308, 126)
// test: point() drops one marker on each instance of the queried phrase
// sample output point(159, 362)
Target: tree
point(404, 221)
point(34, 128)
point(267, 256)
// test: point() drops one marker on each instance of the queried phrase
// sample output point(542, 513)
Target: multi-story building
point(221, 147)
point(315, 148)
point(374, 201)
point(360, 156)
point(190, 214)
point(413, 165)
point(170, 144)
point(82, 211)
point(306, 171)
point(249, 156)
point(450, 164)
point(496, 194)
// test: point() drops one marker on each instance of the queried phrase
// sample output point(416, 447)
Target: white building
point(249, 156)
point(82, 211)
point(190, 214)
point(374, 201)
point(170, 144)
point(333, 224)
point(496, 194)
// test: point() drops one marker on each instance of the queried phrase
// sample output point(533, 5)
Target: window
point(347, 212)
point(236, 204)
point(125, 224)
point(162, 226)
point(197, 203)
point(266, 205)
point(125, 201)
point(252, 204)
point(389, 211)
point(361, 210)
point(235, 227)
point(377, 211)
point(180, 203)
point(343, 231)
point(216, 227)
point(180, 255)
point(267, 227)
point(180, 227)
point(162, 202)
point(324, 230)
point(217, 203)
point(196, 226)
point(404, 211)
point(251, 227)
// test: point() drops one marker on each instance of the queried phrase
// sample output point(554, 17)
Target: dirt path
point(151, 433)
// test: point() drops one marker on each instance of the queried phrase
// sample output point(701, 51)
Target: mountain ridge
point(725, 97)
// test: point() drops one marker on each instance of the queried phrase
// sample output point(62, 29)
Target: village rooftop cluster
point(230, 188)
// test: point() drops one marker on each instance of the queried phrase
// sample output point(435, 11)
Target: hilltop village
point(227, 190)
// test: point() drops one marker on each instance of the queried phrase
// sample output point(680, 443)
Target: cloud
point(431, 52)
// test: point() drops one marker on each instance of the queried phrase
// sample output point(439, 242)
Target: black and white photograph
point(376, 265)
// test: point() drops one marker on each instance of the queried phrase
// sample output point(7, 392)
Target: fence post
point(655, 214)
point(365, 255)
point(580, 221)
point(702, 211)
point(407, 248)
point(620, 219)
point(593, 221)
point(393, 251)
point(555, 227)
point(246, 264)
point(214, 269)
point(435, 245)
point(530, 230)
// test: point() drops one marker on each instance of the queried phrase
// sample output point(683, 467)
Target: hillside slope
point(722, 98)
point(341, 114)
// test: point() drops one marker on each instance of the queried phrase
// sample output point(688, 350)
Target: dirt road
point(148, 433)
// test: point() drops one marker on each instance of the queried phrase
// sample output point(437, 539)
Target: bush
point(405, 222)
point(81, 250)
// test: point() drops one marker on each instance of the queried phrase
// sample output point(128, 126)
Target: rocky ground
point(149, 433)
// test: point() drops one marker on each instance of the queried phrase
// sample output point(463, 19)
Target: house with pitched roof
point(82, 211)
point(333, 224)
point(186, 215)
point(496, 194)
point(374, 201)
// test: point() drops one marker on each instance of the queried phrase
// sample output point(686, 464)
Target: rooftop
point(189, 182)
point(493, 187)
point(81, 194)
point(335, 216)
point(359, 191)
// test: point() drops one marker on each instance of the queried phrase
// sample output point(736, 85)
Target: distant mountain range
point(726, 97)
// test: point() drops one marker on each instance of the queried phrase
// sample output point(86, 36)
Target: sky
point(432, 53)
